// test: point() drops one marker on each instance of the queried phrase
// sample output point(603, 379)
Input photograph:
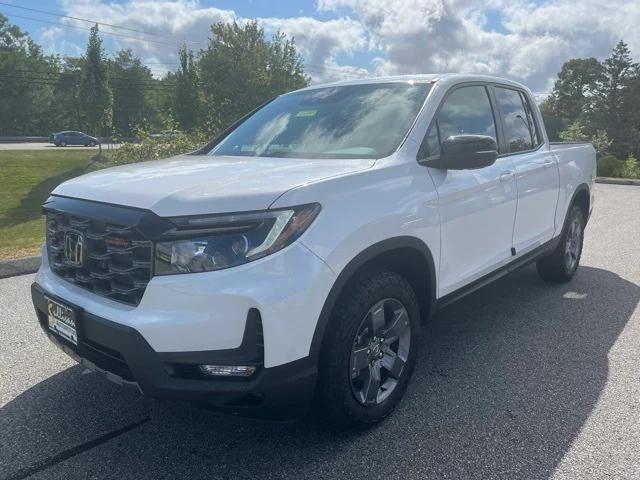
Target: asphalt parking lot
point(518, 380)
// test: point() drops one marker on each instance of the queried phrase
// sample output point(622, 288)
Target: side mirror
point(465, 152)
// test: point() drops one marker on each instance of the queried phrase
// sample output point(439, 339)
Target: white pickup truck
point(297, 256)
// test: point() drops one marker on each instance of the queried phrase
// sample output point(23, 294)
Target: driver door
point(477, 206)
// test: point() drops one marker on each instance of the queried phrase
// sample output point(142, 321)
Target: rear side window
point(535, 136)
point(519, 127)
point(466, 111)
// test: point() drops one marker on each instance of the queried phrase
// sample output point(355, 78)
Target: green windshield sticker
point(306, 113)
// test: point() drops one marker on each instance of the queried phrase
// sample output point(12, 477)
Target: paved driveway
point(518, 380)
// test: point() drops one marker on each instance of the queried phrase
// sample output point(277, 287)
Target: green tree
point(65, 112)
point(631, 113)
point(552, 121)
point(130, 81)
point(27, 81)
point(95, 94)
point(572, 96)
point(576, 86)
point(187, 96)
point(241, 69)
point(610, 109)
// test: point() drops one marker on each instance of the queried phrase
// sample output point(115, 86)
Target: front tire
point(370, 350)
point(63, 144)
point(561, 265)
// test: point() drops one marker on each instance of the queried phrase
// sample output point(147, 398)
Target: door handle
point(506, 176)
point(548, 163)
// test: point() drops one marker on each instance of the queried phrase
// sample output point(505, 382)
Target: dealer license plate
point(62, 320)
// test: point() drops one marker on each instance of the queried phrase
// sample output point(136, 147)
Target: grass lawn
point(26, 179)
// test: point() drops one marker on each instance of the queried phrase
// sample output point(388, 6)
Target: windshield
point(352, 121)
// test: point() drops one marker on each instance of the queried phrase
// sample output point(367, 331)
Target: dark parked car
point(69, 137)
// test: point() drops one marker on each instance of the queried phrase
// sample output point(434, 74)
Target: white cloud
point(172, 21)
point(453, 35)
point(50, 38)
point(395, 36)
point(321, 41)
point(167, 23)
point(53, 40)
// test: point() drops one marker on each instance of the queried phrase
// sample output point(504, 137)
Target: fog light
point(228, 370)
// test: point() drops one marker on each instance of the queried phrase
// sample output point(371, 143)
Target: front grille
point(116, 260)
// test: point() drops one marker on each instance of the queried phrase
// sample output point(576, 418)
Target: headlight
point(214, 242)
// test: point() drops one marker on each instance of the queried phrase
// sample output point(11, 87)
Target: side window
point(518, 130)
point(466, 111)
point(431, 144)
point(535, 137)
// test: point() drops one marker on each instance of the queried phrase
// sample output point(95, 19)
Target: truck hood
point(203, 184)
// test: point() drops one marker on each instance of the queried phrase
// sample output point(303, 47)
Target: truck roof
point(449, 78)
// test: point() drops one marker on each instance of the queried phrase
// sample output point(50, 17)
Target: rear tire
point(369, 351)
point(561, 265)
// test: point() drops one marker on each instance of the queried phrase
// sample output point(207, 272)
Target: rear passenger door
point(477, 207)
point(537, 176)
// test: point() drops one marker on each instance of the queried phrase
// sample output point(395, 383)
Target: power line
point(88, 30)
point(55, 78)
point(58, 73)
point(312, 67)
point(115, 81)
point(49, 83)
point(120, 27)
point(307, 66)
point(316, 68)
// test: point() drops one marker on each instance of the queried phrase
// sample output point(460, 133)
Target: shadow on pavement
point(506, 379)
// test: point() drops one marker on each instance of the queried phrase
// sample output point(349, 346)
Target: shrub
point(608, 165)
point(149, 148)
point(630, 168)
point(577, 132)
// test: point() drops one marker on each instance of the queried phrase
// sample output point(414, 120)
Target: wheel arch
point(406, 255)
point(582, 198)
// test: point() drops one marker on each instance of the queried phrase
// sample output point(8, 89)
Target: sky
point(527, 41)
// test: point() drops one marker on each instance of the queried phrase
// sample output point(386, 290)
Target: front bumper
point(124, 356)
point(207, 311)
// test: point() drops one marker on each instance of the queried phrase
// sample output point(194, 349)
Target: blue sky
point(75, 38)
point(524, 40)
point(243, 8)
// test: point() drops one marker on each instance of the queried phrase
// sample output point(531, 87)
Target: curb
point(21, 266)
point(618, 181)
